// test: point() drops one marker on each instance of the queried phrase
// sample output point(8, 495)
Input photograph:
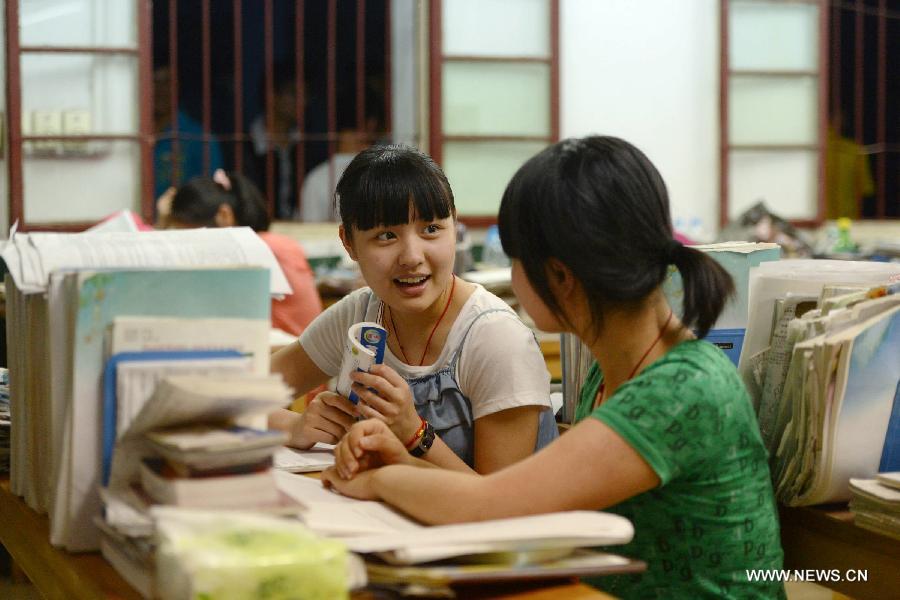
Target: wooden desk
point(59, 574)
point(824, 537)
point(55, 574)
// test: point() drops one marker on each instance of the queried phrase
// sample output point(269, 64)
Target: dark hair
point(600, 207)
point(381, 182)
point(198, 201)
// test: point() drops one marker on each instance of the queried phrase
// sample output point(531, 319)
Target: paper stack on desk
point(4, 421)
point(184, 447)
point(826, 385)
point(375, 528)
point(400, 551)
point(875, 503)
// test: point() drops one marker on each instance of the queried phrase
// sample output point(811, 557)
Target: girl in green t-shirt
point(666, 433)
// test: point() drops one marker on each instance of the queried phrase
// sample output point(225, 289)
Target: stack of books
point(184, 447)
point(196, 290)
point(407, 556)
point(212, 467)
point(875, 503)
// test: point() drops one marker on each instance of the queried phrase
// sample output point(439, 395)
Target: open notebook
point(375, 528)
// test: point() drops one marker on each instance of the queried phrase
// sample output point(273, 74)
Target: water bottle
point(844, 241)
point(492, 255)
point(464, 262)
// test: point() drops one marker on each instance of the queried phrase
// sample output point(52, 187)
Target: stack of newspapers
point(822, 363)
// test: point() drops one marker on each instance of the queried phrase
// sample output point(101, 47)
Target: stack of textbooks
point(212, 467)
point(189, 445)
point(190, 290)
point(875, 503)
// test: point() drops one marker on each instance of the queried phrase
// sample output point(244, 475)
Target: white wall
point(647, 71)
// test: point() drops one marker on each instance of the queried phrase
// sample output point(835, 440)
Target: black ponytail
point(707, 287)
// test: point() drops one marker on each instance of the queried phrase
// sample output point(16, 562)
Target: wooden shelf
point(825, 538)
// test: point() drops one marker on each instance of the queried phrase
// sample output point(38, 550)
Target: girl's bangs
point(387, 195)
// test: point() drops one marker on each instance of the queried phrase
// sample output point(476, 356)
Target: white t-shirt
point(318, 190)
point(500, 367)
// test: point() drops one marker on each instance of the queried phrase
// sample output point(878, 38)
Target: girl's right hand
point(392, 400)
point(368, 445)
point(326, 419)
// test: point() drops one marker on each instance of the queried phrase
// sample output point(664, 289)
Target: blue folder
point(729, 341)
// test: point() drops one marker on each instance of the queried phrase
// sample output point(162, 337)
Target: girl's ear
point(224, 216)
point(562, 281)
point(347, 242)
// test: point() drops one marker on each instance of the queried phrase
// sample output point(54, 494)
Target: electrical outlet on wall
point(76, 122)
point(46, 122)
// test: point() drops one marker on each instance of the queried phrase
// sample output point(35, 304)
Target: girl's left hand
point(392, 401)
point(369, 444)
point(362, 486)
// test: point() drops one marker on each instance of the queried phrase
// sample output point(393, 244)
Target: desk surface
point(824, 537)
point(59, 574)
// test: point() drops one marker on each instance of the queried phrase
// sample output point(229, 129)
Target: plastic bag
point(230, 555)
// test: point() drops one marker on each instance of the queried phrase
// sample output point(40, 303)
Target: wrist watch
point(425, 442)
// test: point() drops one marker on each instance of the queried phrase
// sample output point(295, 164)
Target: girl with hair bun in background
point(229, 200)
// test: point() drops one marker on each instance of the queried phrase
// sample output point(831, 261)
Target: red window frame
point(437, 58)
point(144, 137)
point(725, 145)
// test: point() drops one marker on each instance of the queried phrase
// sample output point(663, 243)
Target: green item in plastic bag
point(229, 556)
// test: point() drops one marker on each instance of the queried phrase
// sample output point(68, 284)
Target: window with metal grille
point(110, 102)
point(808, 124)
point(282, 91)
point(863, 174)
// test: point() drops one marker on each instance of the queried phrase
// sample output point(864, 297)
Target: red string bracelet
point(419, 433)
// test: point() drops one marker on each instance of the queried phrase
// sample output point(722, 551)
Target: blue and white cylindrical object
point(363, 347)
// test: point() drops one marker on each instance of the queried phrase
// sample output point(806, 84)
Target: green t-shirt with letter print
point(713, 516)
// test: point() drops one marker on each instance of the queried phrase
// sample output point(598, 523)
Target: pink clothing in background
point(294, 312)
point(680, 237)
